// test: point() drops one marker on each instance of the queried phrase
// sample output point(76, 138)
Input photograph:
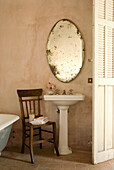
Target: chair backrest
point(29, 101)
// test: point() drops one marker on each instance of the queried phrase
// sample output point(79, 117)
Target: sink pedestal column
point(63, 131)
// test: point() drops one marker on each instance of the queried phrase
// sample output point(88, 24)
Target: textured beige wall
point(24, 28)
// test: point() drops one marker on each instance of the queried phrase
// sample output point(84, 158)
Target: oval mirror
point(65, 50)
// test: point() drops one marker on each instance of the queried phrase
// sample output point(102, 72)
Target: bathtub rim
point(12, 118)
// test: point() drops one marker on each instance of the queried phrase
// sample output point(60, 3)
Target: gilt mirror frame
point(59, 63)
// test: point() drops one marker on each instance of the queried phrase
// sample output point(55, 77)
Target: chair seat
point(40, 125)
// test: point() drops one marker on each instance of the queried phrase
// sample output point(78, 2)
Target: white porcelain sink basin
point(64, 100)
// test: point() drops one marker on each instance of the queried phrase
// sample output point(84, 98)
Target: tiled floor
point(12, 159)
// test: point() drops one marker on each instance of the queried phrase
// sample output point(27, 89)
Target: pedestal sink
point(63, 102)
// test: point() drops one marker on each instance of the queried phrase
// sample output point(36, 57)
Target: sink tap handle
point(70, 91)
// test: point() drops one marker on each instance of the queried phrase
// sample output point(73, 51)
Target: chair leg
point(55, 139)
point(31, 144)
point(40, 136)
point(23, 139)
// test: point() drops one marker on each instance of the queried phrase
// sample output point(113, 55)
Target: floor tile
point(45, 159)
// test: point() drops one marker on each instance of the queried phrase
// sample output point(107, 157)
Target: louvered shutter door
point(103, 81)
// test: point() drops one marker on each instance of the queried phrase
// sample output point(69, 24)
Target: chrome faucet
point(64, 92)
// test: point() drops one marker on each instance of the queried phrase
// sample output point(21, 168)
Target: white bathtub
point(6, 121)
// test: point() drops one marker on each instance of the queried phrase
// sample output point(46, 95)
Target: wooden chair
point(30, 100)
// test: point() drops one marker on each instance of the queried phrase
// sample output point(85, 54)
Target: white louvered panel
point(110, 12)
point(101, 9)
point(101, 51)
point(103, 87)
point(110, 52)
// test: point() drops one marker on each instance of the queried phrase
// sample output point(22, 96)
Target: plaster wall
point(24, 29)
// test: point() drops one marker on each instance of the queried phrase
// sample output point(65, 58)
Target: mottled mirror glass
point(65, 50)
